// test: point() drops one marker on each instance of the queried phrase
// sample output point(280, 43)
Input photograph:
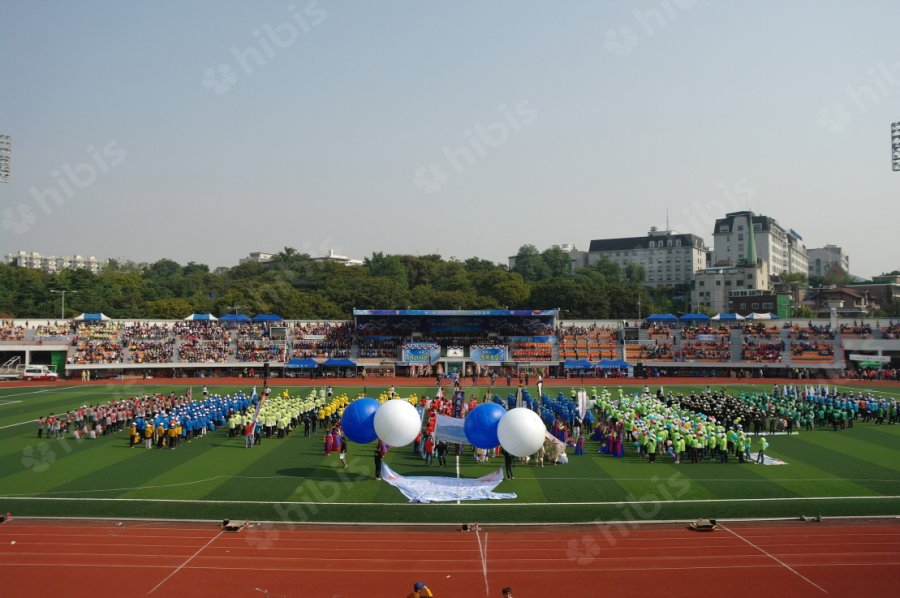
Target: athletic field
point(850, 472)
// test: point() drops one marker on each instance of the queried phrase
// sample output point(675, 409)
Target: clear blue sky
point(464, 128)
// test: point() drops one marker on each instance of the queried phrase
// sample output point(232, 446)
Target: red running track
point(71, 559)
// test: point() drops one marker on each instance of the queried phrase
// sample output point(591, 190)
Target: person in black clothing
point(306, 426)
point(379, 456)
point(507, 464)
point(442, 453)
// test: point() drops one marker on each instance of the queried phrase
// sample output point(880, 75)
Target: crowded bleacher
point(468, 340)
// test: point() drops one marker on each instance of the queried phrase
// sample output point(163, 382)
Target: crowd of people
point(812, 348)
point(146, 351)
point(752, 349)
point(10, 331)
point(810, 331)
point(259, 351)
point(703, 351)
point(692, 332)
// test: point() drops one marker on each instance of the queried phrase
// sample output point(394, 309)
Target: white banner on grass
point(425, 489)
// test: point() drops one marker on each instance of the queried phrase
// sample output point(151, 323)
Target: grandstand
point(446, 342)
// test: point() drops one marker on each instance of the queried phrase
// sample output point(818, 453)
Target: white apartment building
point(822, 259)
point(783, 250)
point(53, 263)
point(668, 258)
point(257, 257)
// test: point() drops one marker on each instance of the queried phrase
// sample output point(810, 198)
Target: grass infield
point(850, 472)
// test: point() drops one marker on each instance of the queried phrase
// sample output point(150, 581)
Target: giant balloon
point(481, 425)
point(358, 421)
point(521, 432)
point(397, 422)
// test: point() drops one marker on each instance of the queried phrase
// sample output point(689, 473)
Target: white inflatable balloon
point(521, 432)
point(397, 422)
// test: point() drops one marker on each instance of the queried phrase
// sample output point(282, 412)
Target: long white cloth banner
point(426, 489)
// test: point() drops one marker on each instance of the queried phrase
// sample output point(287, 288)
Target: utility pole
point(62, 312)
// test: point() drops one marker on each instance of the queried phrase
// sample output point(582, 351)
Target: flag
point(259, 405)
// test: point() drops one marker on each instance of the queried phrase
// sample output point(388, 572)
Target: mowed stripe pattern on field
point(858, 462)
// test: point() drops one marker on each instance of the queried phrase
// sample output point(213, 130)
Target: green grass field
point(853, 472)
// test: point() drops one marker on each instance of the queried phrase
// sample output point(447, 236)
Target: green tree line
point(296, 286)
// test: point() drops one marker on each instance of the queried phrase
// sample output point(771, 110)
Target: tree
point(634, 273)
point(558, 262)
point(170, 309)
point(388, 267)
point(530, 264)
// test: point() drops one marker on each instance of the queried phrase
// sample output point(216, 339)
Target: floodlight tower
point(5, 156)
point(895, 145)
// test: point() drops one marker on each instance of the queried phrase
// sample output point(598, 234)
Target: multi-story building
point(822, 260)
point(782, 250)
point(713, 288)
point(53, 263)
point(257, 257)
point(748, 274)
point(668, 258)
point(798, 260)
point(338, 259)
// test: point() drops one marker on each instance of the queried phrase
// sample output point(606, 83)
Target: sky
point(201, 131)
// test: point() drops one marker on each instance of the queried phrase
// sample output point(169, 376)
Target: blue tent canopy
point(341, 362)
point(575, 364)
point(92, 317)
point(302, 363)
point(728, 317)
point(661, 318)
point(202, 317)
point(613, 363)
point(266, 318)
point(234, 318)
point(688, 317)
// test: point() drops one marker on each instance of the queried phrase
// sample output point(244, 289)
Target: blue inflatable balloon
point(358, 421)
point(481, 425)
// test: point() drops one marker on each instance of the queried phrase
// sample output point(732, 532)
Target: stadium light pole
point(62, 311)
point(895, 146)
point(5, 157)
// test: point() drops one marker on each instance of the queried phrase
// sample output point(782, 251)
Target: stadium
point(454, 299)
point(834, 466)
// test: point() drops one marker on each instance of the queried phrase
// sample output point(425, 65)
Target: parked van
point(38, 372)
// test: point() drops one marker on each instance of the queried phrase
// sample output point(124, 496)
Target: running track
point(71, 559)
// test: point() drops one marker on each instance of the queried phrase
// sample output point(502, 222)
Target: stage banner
point(488, 354)
point(421, 353)
point(426, 489)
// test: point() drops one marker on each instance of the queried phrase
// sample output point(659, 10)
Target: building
point(338, 259)
point(712, 288)
point(52, 263)
point(884, 290)
point(667, 257)
point(798, 260)
point(782, 250)
point(823, 260)
point(257, 257)
point(758, 301)
point(848, 302)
